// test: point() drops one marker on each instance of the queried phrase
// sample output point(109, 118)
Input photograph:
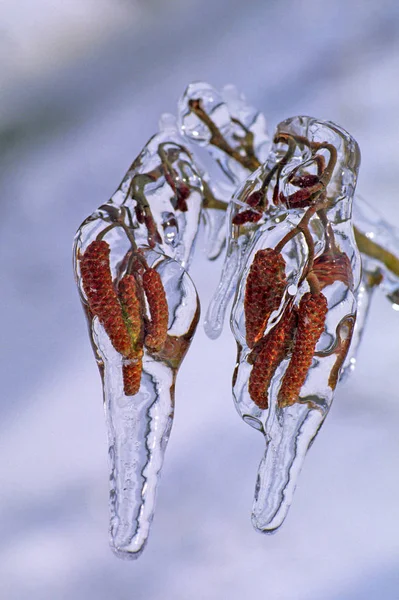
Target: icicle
point(308, 332)
point(142, 309)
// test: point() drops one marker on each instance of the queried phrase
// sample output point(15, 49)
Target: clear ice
point(288, 431)
point(284, 211)
point(148, 227)
point(308, 184)
point(235, 136)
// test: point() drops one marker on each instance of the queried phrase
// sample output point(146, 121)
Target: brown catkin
point(131, 372)
point(101, 296)
point(158, 325)
point(272, 350)
point(264, 290)
point(131, 307)
point(312, 313)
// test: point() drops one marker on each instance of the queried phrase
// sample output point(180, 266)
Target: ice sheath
point(142, 308)
point(289, 411)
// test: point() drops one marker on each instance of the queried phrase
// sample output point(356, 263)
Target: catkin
point(264, 290)
point(131, 306)
point(312, 313)
point(101, 296)
point(157, 329)
point(272, 350)
point(131, 372)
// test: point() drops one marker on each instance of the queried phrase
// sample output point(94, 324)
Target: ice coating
point(307, 228)
point(142, 309)
point(154, 217)
point(235, 136)
point(378, 243)
point(162, 195)
point(233, 132)
point(364, 295)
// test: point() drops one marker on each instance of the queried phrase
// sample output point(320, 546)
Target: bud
point(305, 181)
point(330, 267)
point(246, 216)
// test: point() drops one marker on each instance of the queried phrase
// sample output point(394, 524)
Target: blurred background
point(83, 84)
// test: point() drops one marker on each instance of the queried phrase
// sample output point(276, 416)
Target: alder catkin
point(131, 372)
point(264, 290)
point(131, 307)
point(101, 296)
point(272, 350)
point(159, 316)
point(312, 313)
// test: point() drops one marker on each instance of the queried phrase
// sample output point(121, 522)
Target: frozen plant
point(301, 292)
point(142, 309)
point(301, 289)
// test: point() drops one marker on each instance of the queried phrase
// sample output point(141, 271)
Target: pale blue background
point(83, 84)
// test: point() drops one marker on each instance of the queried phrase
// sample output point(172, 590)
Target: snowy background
point(83, 83)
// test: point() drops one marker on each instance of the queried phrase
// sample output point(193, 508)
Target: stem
point(328, 230)
point(165, 161)
point(314, 283)
point(373, 250)
point(303, 224)
point(129, 235)
point(315, 146)
point(248, 140)
point(310, 245)
point(209, 199)
point(249, 161)
point(136, 191)
point(303, 227)
point(105, 231)
point(279, 166)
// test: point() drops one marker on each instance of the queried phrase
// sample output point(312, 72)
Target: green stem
point(210, 201)
point(373, 250)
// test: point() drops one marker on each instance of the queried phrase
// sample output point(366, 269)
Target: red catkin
point(305, 181)
point(299, 199)
point(312, 313)
point(246, 216)
point(131, 307)
point(158, 326)
point(269, 353)
point(131, 372)
point(264, 290)
point(101, 296)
